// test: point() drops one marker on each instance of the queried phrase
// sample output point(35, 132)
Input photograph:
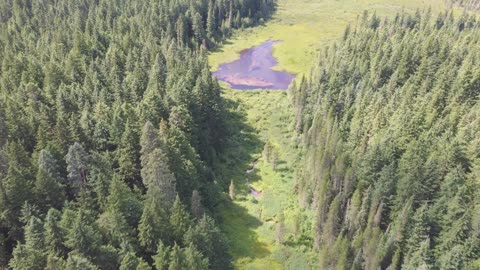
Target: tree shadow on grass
point(242, 147)
point(239, 227)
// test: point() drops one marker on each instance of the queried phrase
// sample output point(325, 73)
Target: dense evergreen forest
point(109, 124)
point(391, 122)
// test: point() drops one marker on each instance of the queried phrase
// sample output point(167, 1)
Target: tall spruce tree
point(49, 185)
point(77, 167)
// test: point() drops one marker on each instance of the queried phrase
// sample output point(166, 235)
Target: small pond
point(254, 70)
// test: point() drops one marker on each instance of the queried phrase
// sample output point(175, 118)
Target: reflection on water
point(254, 70)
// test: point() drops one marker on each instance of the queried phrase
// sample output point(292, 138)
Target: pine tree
point(177, 260)
point(124, 202)
point(194, 260)
point(100, 177)
point(30, 255)
point(128, 153)
point(24, 258)
point(62, 134)
point(114, 227)
point(107, 257)
point(211, 20)
point(55, 262)
point(17, 187)
point(156, 173)
point(197, 27)
point(129, 261)
point(421, 258)
point(82, 237)
point(152, 105)
point(210, 242)
point(3, 127)
point(161, 257)
point(148, 141)
point(180, 220)
point(143, 265)
point(154, 223)
point(77, 167)
point(101, 132)
point(76, 261)
point(196, 205)
point(49, 184)
point(183, 162)
point(181, 119)
point(53, 233)
point(148, 231)
point(180, 26)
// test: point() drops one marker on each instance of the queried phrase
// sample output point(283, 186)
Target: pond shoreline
point(254, 70)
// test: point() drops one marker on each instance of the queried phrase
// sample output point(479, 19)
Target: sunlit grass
point(305, 25)
point(248, 222)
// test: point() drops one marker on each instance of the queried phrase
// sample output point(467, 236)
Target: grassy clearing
point(259, 116)
point(250, 223)
point(305, 25)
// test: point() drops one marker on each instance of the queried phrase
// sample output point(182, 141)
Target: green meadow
point(305, 26)
point(259, 116)
point(249, 222)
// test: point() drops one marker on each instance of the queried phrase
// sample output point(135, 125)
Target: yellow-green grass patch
point(305, 25)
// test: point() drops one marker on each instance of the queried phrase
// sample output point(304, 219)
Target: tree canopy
point(390, 121)
point(109, 122)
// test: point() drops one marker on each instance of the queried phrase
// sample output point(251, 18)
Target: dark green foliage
point(48, 189)
point(194, 259)
point(130, 261)
point(53, 232)
point(77, 262)
point(208, 239)
point(156, 174)
point(177, 259)
point(104, 120)
point(390, 121)
point(122, 215)
point(161, 258)
point(16, 191)
point(127, 153)
point(30, 255)
point(196, 205)
point(154, 223)
point(180, 220)
point(82, 237)
point(77, 168)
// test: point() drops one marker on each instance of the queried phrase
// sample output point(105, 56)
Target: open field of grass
point(305, 25)
point(249, 222)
